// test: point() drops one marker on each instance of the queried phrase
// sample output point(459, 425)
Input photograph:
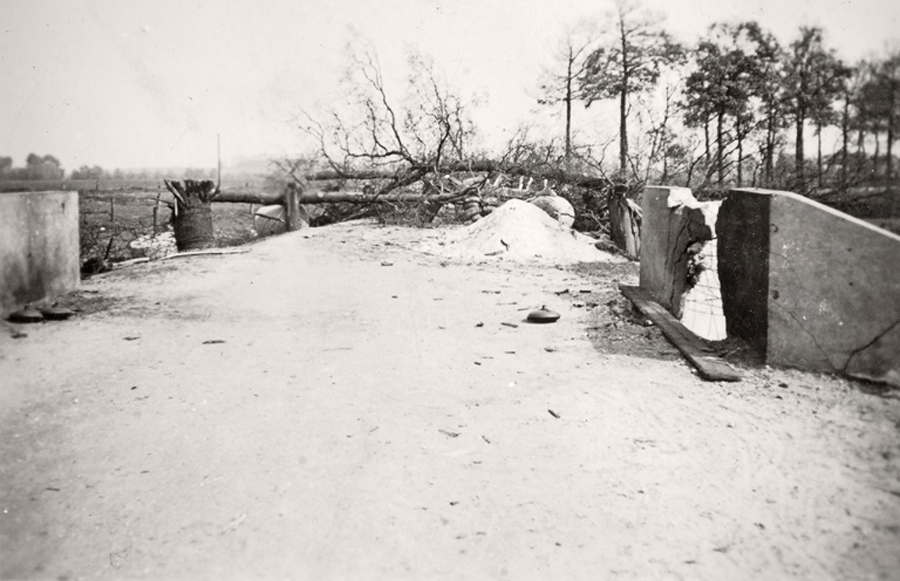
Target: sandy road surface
point(331, 405)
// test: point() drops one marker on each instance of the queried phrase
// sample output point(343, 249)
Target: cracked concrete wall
point(39, 247)
point(674, 222)
point(832, 294)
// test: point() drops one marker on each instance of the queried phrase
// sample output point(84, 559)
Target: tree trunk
point(889, 171)
point(664, 178)
point(845, 138)
point(192, 213)
point(720, 166)
point(623, 134)
point(624, 222)
point(819, 155)
point(770, 150)
point(568, 160)
point(623, 102)
point(706, 138)
point(193, 228)
point(875, 157)
point(799, 154)
point(740, 153)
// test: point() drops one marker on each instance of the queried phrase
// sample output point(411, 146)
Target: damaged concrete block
point(810, 287)
point(675, 227)
point(39, 251)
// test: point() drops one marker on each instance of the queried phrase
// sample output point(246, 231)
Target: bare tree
point(411, 135)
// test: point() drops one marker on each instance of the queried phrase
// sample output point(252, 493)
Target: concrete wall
point(673, 224)
point(831, 285)
point(39, 247)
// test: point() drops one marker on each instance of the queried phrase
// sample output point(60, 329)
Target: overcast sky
point(150, 84)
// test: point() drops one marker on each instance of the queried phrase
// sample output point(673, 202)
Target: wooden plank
point(692, 347)
point(208, 252)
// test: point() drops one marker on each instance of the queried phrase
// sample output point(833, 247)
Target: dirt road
point(333, 405)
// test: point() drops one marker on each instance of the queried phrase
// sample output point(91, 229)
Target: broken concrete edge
point(675, 226)
point(810, 287)
point(678, 196)
point(694, 349)
point(819, 206)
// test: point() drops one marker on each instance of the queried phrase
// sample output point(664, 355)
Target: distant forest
point(49, 168)
point(736, 108)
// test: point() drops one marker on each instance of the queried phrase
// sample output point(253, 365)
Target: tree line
point(725, 110)
point(49, 168)
point(735, 108)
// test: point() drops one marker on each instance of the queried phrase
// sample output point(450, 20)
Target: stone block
point(39, 247)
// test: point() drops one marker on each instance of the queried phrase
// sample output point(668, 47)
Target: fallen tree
point(559, 176)
point(438, 187)
point(422, 136)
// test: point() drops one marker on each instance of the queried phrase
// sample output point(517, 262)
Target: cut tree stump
point(192, 213)
point(624, 222)
point(696, 351)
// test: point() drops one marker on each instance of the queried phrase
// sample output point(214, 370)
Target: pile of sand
point(521, 232)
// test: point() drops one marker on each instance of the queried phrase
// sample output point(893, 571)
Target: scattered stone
point(153, 247)
point(57, 313)
point(27, 315)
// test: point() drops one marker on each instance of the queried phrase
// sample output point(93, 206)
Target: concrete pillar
point(39, 247)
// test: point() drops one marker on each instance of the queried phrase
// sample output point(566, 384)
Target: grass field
point(113, 217)
point(113, 212)
point(115, 185)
